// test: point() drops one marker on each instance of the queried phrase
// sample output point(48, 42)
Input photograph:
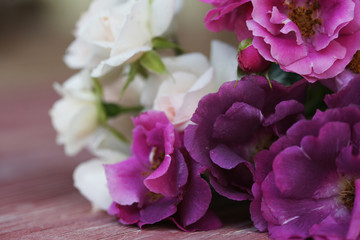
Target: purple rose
point(339, 81)
point(229, 15)
point(159, 181)
point(308, 183)
point(316, 39)
point(346, 96)
point(232, 125)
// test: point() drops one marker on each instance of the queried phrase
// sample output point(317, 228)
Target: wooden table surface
point(37, 197)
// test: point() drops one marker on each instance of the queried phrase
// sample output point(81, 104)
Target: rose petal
point(125, 181)
point(196, 199)
point(158, 211)
point(90, 180)
point(239, 122)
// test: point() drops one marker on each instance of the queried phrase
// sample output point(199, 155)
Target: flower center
point(347, 194)
point(156, 158)
point(263, 142)
point(354, 65)
point(304, 16)
point(153, 197)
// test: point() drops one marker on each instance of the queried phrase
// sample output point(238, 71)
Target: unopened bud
point(249, 59)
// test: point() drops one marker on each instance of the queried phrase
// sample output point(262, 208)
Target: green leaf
point(152, 61)
point(244, 44)
point(130, 78)
point(163, 43)
point(135, 68)
point(113, 109)
point(142, 71)
point(315, 99)
point(286, 78)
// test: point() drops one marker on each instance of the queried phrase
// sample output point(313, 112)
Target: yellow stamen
point(304, 17)
point(354, 65)
point(153, 196)
point(347, 194)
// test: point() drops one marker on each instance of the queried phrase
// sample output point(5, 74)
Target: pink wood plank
point(37, 199)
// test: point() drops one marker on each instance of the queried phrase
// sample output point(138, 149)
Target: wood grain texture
point(38, 200)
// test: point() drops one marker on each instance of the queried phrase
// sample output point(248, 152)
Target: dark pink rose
point(250, 61)
point(229, 15)
point(159, 181)
point(316, 39)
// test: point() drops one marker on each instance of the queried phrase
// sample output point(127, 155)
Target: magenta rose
point(308, 183)
point(231, 126)
point(316, 38)
point(347, 95)
point(229, 15)
point(159, 181)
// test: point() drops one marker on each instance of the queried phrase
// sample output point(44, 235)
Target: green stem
point(131, 109)
point(117, 133)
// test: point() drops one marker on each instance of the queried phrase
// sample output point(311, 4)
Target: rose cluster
point(134, 95)
point(307, 182)
point(279, 127)
point(317, 39)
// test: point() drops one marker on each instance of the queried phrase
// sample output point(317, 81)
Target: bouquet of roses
point(275, 122)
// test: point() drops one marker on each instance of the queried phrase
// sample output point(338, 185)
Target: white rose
point(223, 58)
point(90, 179)
point(192, 77)
point(113, 32)
point(75, 116)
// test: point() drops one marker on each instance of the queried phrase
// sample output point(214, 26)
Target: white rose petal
point(204, 85)
point(75, 116)
point(223, 59)
point(90, 180)
point(108, 65)
point(195, 63)
point(112, 33)
point(162, 12)
point(192, 77)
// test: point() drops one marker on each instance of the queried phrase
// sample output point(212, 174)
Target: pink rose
point(316, 39)
point(229, 15)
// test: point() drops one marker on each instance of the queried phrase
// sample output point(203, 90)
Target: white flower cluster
point(121, 72)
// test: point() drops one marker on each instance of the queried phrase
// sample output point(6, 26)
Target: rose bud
point(249, 59)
